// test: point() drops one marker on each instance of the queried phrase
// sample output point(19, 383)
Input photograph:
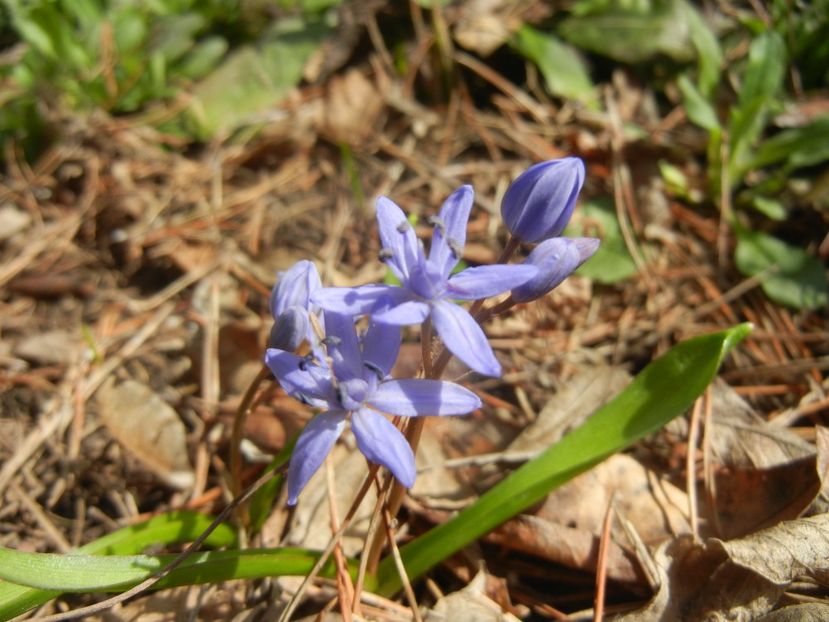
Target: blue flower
point(290, 305)
point(428, 286)
point(539, 203)
point(352, 382)
point(556, 259)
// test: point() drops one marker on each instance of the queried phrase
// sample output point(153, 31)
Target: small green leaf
point(797, 279)
point(698, 109)
point(632, 34)
point(563, 68)
point(612, 262)
point(771, 208)
point(661, 391)
point(708, 51)
point(253, 79)
point(762, 82)
point(800, 146)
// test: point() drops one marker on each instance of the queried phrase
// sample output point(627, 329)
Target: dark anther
point(375, 369)
point(332, 340)
point(385, 254)
point(340, 395)
point(437, 223)
point(404, 226)
point(305, 361)
point(455, 248)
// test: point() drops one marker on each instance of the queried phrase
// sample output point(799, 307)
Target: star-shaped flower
point(356, 386)
point(428, 287)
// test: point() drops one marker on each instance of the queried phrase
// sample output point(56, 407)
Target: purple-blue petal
point(397, 237)
point(381, 345)
point(295, 287)
point(556, 259)
point(464, 338)
point(449, 237)
point(539, 203)
point(417, 397)
point(342, 346)
point(404, 314)
point(312, 446)
point(486, 281)
point(383, 444)
point(356, 300)
point(300, 378)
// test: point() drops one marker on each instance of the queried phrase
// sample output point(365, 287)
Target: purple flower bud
point(290, 329)
point(295, 287)
point(556, 259)
point(539, 203)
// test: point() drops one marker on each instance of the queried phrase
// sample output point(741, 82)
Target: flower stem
point(236, 437)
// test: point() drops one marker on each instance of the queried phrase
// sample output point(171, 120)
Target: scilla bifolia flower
point(356, 386)
point(539, 203)
point(556, 259)
point(290, 305)
point(428, 287)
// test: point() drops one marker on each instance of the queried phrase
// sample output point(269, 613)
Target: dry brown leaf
point(768, 473)
point(740, 437)
point(351, 108)
point(471, 604)
point(55, 347)
point(806, 612)
point(568, 546)
point(656, 508)
point(697, 583)
point(486, 25)
point(583, 394)
point(784, 552)
point(149, 428)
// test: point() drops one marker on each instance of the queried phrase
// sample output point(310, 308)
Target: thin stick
point(371, 538)
point(601, 567)
point(295, 600)
point(690, 467)
point(390, 524)
point(157, 576)
point(238, 428)
point(345, 588)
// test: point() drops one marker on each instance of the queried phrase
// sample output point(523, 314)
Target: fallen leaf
point(55, 347)
point(149, 428)
point(806, 612)
point(583, 394)
point(471, 604)
point(784, 552)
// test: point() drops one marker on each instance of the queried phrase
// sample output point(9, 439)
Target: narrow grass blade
point(662, 391)
point(106, 573)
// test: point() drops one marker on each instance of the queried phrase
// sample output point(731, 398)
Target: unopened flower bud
point(539, 203)
point(295, 287)
point(290, 330)
point(556, 259)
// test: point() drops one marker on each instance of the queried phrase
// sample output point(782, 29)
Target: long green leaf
point(165, 529)
point(106, 573)
point(662, 391)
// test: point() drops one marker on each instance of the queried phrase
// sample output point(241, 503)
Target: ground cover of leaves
point(134, 310)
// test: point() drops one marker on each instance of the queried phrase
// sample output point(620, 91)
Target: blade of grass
point(104, 573)
point(662, 391)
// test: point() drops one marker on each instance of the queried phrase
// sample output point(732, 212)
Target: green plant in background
point(125, 56)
